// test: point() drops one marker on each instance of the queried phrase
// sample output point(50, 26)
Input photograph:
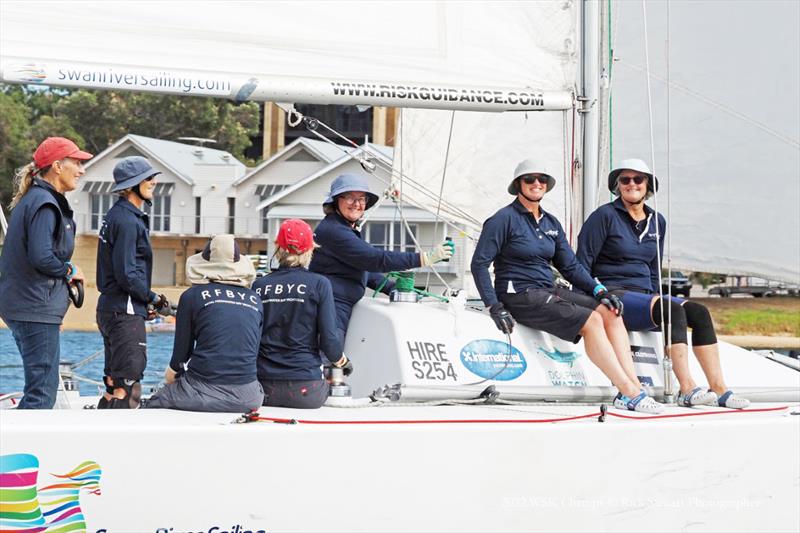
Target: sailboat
point(450, 426)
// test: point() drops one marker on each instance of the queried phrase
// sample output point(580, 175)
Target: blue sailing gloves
point(613, 303)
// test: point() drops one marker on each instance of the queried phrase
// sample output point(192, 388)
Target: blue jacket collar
point(125, 203)
point(516, 204)
point(619, 206)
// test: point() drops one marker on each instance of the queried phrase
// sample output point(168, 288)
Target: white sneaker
point(641, 404)
point(731, 401)
point(697, 396)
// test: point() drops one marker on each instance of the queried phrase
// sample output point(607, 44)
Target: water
point(76, 345)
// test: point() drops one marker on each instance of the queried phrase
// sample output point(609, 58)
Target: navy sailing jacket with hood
point(522, 250)
point(622, 257)
point(33, 267)
point(124, 261)
point(299, 321)
point(217, 332)
point(351, 264)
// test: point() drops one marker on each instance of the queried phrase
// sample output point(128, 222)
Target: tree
point(16, 144)
point(97, 119)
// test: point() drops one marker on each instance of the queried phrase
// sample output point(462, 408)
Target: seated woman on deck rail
point(522, 240)
point(299, 325)
point(217, 331)
point(622, 244)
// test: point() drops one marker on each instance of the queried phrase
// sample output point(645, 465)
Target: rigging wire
point(441, 190)
point(667, 335)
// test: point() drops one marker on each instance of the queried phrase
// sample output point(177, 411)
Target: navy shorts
point(125, 344)
point(299, 394)
point(637, 315)
point(557, 311)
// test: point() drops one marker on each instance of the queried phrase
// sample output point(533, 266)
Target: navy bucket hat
point(131, 171)
point(350, 183)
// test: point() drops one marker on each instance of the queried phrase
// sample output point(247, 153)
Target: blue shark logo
point(561, 357)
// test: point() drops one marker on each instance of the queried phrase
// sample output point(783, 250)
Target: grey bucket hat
point(530, 166)
point(349, 183)
point(632, 164)
point(131, 171)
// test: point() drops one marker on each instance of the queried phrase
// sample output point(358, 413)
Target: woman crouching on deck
point(522, 240)
point(621, 243)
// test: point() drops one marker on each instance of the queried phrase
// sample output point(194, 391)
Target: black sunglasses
point(638, 180)
point(530, 178)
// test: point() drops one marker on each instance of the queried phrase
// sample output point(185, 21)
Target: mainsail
point(733, 160)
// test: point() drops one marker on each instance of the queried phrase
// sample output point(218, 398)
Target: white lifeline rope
point(668, 333)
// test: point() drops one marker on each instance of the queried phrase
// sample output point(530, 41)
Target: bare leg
point(620, 342)
point(601, 353)
point(679, 353)
point(708, 356)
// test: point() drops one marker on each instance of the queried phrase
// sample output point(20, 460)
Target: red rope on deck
point(507, 421)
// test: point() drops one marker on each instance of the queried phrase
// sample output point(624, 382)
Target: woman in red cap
point(299, 323)
point(35, 267)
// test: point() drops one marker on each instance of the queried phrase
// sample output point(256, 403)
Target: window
point(100, 204)
point(347, 120)
point(231, 215)
point(197, 203)
point(159, 213)
point(265, 221)
point(391, 236)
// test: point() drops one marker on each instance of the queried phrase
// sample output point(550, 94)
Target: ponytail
point(23, 179)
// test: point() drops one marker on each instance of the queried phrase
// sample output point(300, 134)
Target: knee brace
point(133, 394)
point(678, 317)
point(699, 319)
point(103, 403)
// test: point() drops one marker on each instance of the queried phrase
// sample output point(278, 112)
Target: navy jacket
point(33, 267)
point(299, 321)
point(351, 264)
point(620, 256)
point(522, 250)
point(124, 261)
point(217, 331)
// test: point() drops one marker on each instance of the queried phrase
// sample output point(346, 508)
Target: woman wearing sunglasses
point(621, 245)
point(350, 263)
point(522, 241)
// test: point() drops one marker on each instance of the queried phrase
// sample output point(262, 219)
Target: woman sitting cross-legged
point(217, 331)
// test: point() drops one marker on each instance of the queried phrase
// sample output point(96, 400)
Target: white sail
point(733, 123)
point(317, 52)
point(484, 148)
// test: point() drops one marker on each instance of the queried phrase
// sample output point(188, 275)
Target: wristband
point(71, 271)
point(598, 289)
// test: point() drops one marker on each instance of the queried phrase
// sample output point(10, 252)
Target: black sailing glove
point(613, 303)
point(502, 318)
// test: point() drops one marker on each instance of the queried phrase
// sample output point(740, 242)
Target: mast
point(591, 112)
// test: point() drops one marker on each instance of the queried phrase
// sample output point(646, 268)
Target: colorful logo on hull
point(491, 359)
point(30, 73)
point(53, 508)
point(561, 357)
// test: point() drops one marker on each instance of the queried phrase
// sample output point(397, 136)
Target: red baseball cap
point(54, 148)
point(295, 236)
